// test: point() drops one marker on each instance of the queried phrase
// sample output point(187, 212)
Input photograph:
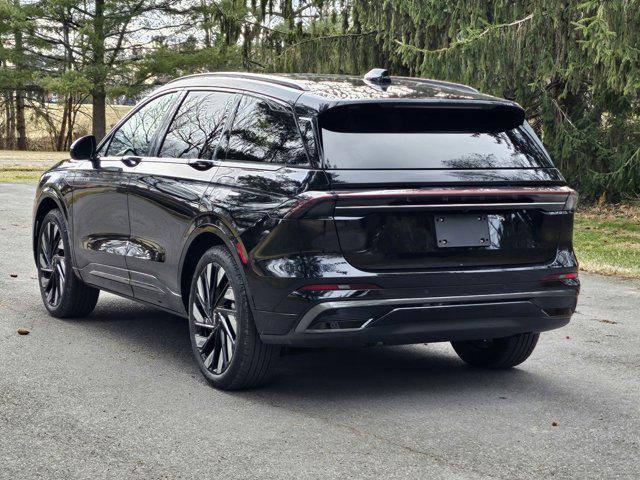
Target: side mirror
point(84, 148)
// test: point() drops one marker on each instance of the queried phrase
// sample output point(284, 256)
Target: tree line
point(573, 65)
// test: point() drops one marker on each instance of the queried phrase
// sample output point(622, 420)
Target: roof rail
point(459, 86)
point(259, 77)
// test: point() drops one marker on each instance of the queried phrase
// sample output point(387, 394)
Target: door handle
point(131, 161)
point(201, 163)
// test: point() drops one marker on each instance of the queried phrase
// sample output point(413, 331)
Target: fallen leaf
point(23, 331)
point(610, 322)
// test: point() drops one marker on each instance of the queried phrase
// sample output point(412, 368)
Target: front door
point(100, 206)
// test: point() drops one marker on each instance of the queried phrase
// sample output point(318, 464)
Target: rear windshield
point(430, 138)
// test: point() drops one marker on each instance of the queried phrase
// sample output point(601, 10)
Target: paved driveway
point(116, 395)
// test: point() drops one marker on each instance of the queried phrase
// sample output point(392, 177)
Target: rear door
point(100, 207)
point(165, 193)
point(265, 164)
point(428, 187)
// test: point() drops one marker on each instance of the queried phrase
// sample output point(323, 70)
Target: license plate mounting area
point(462, 230)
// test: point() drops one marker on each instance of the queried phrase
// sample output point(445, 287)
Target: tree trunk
point(62, 133)
point(98, 93)
point(10, 138)
point(21, 125)
point(99, 99)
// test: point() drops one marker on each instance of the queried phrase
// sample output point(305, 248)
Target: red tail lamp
point(558, 277)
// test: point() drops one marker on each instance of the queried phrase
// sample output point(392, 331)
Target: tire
point(221, 326)
point(504, 352)
point(64, 295)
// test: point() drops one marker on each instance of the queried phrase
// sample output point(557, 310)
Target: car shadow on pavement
point(328, 375)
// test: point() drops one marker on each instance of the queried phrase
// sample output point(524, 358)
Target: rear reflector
point(335, 286)
point(241, 253)
point(558, 277)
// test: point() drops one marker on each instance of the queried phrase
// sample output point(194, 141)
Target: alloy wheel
point(51, 263)
point(214, 318)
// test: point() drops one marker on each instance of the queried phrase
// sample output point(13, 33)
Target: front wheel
point(64, 295)
point(224, 339)
point(504, 352)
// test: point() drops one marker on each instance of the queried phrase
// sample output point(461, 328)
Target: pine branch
point(467, 40)
point(326, 37)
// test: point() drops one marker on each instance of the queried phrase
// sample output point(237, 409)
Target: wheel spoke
point(204, 325)
point(60, 273)
point(200, 306)
point(209, 345)
point(222, 292)
point(223, 348)
point(215, 361)
point(51, 294)
point(202, 292)
point(45, 266)
point(228, 329)
point(44, 246)
point(52, 239)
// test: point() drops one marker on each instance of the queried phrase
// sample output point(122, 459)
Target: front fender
point(53, 191)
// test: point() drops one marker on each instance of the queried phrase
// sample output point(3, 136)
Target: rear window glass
point(429, 138)
point(265, 131)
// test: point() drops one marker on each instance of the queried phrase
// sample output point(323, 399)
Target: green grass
point(17, 166)
point(19, 173)
point(607, 240)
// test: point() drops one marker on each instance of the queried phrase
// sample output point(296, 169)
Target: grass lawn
point(606, 239)
point(17, 166)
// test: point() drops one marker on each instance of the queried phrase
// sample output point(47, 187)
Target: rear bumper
point(426, 319)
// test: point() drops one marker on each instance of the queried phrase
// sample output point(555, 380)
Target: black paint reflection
point(125, 247)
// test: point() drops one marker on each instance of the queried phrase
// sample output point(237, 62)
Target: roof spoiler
point(425, 116)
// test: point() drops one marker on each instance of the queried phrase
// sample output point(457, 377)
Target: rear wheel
point(504, 352)
point(64, 295)
point(224, 339)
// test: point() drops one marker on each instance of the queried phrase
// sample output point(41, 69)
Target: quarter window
point(198, 125)
point(265, 131)
point(135, 135)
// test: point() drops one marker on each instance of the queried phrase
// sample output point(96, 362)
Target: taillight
point(306, 204)
point(559, 277)
point(325, 287)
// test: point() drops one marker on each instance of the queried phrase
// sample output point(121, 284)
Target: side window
point(196, 129)
point(135, 135)
point(265, 131)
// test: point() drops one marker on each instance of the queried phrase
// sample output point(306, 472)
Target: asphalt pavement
point(116, 395)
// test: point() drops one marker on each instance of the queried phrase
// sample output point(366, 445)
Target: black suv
point(306, 210)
